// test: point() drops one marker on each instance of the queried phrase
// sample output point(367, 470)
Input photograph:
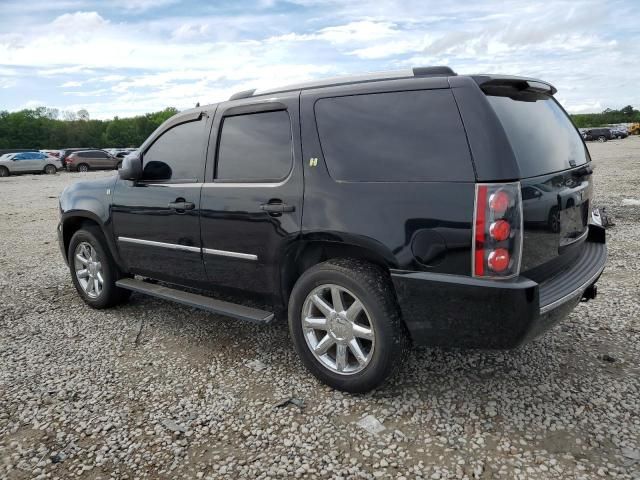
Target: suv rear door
point(156, 219)
point(251, 204)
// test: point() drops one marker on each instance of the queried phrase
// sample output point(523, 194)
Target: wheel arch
point(73, 221)
point(304, 254)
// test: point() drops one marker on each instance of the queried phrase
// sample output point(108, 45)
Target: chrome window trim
point(226, 253)
point(172, 246)
point(217, 184)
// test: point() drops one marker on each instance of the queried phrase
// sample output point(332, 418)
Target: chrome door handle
point(182, 206)
point(277, 207)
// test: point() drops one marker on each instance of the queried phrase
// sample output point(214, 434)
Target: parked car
point(619, 133)
point(86, 160)
point(52, 153)
point(64, 153)
point(28, 162)
point(375, 212)
point(123, 153)
point(599, 134)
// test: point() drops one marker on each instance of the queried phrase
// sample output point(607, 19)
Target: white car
point(28, 162)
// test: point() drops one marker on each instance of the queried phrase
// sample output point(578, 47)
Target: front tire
point(4, 172)
point(602, 139)
point(93, 271)
point(345, 324)
point(50, 169)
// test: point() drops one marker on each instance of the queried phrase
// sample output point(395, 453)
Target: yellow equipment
point(634, 129)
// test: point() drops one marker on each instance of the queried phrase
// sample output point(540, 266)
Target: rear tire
point(93, 271)
point(357, 351)
point(50, 169)
point(4, 172)
point(602, 139)
point(83, 167)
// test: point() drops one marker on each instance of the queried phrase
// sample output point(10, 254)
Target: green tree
point(43, 128)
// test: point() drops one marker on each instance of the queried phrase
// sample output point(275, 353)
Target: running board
point(198, 301)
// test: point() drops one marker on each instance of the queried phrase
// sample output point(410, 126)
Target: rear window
point(541, 134)
point(397, 136)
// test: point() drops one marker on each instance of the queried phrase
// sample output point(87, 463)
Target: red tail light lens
point(497, 230)
point(500, 230)
point(498, 260)
point(499, 202)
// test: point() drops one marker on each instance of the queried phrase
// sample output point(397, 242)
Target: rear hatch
point(555, 173)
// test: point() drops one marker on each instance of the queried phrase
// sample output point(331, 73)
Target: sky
point(128, 57)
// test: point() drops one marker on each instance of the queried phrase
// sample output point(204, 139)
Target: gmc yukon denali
point(417, 207)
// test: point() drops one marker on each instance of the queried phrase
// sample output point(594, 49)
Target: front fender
point(88, 201)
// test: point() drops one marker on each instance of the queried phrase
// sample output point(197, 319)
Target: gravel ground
point(156, 390)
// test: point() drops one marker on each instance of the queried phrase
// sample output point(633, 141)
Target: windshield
point(541, 134)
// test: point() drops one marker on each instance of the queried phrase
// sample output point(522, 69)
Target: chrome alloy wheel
point(338, 329)
point(88, 269)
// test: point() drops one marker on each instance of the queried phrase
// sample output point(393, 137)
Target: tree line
point(608, 117)
point(48, 128)
point(43, 128)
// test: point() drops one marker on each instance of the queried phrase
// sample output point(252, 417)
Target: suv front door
point(27, 162)
point(156, 219)
point(252, 198)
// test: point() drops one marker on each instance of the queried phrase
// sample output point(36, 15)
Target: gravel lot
point(156, 390)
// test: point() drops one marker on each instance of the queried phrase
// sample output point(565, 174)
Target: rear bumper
point(460, 311)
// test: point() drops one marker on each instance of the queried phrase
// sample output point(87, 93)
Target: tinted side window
point(397, 136)
point(255, 147)
point(177, 154)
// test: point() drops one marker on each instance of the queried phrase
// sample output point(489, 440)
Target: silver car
point(28, 162)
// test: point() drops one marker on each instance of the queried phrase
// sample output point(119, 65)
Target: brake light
point(497, 230)
point(69, 159)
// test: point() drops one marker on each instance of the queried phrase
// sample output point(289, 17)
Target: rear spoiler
point(519, 83)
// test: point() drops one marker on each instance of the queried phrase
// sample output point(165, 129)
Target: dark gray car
point(86, 160)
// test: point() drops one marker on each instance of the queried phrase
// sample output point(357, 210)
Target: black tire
point(602, 139)
point(50, 169)
point(4, 172)
point(372, 287)
point(110, 294)
point(83, 167)
point(119, 166)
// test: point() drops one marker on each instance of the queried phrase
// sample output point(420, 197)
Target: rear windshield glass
point(395, 137)
point(541, 134)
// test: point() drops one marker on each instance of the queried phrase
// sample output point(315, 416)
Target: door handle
point(182, 206)
point(277, 207)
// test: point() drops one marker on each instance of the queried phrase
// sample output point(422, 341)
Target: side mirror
point(131, 167)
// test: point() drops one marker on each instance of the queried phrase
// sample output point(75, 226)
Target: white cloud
point(140, 64)
point(79, 21)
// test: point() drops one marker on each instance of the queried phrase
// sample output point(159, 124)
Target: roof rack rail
point(243, 94)
point(433, 71)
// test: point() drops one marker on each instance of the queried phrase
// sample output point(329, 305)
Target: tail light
point(497, 230)
point(69, 159)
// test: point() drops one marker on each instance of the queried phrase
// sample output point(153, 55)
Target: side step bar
point(198, 301)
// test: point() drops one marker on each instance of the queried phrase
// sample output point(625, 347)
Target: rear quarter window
point(409, 136)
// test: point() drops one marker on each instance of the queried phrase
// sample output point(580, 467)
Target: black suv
point(419, 207)
point(599, 134)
